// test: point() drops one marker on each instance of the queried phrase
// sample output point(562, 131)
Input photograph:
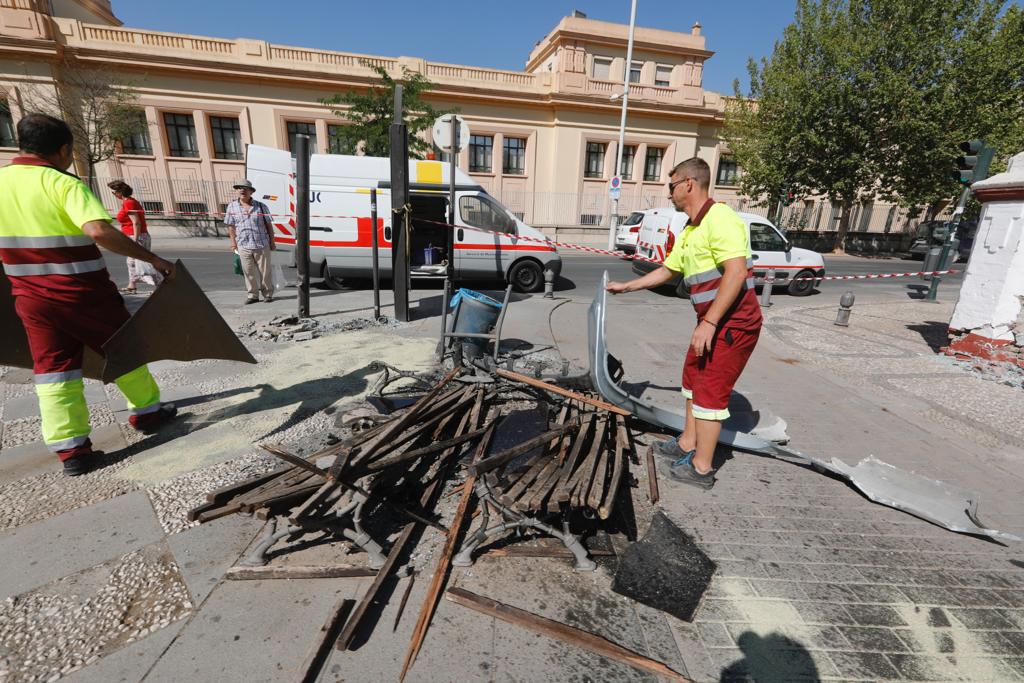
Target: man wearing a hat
point(252, 236)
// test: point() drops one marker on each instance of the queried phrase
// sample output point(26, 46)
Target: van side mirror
point(789, 246)
point(510, 226)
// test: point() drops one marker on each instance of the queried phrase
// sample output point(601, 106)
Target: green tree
point(869, 98)
point(370, 114)
point(804, 124)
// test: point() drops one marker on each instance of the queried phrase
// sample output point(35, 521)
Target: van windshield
point(480, 211)
point(634, 218)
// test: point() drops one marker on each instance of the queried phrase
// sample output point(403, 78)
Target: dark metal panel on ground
point(177, 322)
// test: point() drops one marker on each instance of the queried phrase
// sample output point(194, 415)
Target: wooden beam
point(562, 632)
point(618, 467)
point(444, 561)
point(311, 667)
point(652, 476)
point(506, 456)
point(296, 572)
point(507, 374)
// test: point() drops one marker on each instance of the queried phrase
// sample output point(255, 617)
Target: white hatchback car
point(626, 234)
point(770, 250)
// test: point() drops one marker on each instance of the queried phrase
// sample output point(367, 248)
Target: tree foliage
point(370, 114)
point(98, 105)
point(866, 99)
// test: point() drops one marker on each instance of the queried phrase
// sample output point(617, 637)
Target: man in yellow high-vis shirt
point(713, 254)
point(50, 225)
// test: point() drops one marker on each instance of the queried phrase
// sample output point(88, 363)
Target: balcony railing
point(468, 73)
point(124, 36)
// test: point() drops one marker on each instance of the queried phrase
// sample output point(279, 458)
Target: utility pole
point(400, 210)
point(302, 221)
point(613, 223)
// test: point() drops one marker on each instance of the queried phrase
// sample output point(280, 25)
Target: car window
point(764, 238)
point(634, 218)
point(480, 212)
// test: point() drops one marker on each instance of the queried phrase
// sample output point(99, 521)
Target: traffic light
point(973, 165)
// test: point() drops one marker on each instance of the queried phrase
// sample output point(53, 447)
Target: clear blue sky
point(491, 33)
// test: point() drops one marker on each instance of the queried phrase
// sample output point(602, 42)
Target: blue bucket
point(474, 313)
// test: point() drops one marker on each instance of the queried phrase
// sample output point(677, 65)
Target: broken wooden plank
point(597, 484)
point(315, 659)
point(560, 494)
point(296, 572)
point(652, 476)
point(618, 467)
point(518, 484)
point(556, 552)
point(506, 456)
point(444, 561)
point(561, 392)
point(405, 599)
point(580, 481)
point(563, 632)
point(426, 450)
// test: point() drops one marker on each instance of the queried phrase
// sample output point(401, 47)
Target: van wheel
point(526, 276)
point(799, 287)
point(333, 281)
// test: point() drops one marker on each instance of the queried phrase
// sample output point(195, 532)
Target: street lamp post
point(614, 222)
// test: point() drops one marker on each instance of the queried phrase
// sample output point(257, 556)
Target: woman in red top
point(132, 218)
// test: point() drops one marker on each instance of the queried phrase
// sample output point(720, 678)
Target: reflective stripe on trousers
point(709, 295)
point(65, 414)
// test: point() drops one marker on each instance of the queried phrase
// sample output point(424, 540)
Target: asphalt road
point(581, 273)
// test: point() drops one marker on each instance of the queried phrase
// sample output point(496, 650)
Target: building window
point(662, 75)
point(652, 164)
point(602, 69)
point(334, 139)
point(7, 136)
point(595, 160)
point(480, 150)
point(301, 128)
point(628, 155)
point(227, 138)
point(728, 171)
point(515, 156)
point(138, 142)
point(634, 72)
point(153, 207)
point(181, 135)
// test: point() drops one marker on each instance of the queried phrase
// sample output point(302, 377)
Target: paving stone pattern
point(814, 581)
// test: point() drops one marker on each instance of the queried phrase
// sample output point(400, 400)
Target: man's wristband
point(714, 325)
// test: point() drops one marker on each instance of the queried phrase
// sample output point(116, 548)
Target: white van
point(769, 248)
point(488, 242)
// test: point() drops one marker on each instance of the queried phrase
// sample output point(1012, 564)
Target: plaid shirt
point(251, 224)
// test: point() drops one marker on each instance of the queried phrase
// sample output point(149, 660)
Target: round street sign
point(616, 182)
point(442, 132)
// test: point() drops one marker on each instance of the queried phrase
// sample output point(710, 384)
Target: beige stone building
point(544, 140)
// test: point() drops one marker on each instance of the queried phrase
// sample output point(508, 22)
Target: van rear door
point(270, 171)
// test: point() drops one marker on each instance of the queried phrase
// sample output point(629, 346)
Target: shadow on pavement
point(774, 658)
point(935, 334)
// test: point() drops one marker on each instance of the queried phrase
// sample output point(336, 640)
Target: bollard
point(549, 283)
point(766, 288)
point(845, 307)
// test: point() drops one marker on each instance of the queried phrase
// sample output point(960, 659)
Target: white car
point(770, 250)
point(626, 234)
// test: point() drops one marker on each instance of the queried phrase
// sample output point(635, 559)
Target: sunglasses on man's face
point(672, 185)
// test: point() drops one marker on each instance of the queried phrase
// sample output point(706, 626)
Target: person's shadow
point(774, 658)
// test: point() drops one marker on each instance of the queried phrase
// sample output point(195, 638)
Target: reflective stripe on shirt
point(51, 242)
point(74, 268)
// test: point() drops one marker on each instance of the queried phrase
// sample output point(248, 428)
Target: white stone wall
point(991, 301)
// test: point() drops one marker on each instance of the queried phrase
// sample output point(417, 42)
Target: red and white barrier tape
point(580, 247)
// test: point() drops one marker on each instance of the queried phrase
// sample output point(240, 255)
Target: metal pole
point(400, 210)
point(374, 246)
point(947, 245)
point(449, 273)
point(614, 222)
point(302, 221)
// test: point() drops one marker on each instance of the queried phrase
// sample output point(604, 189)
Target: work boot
point(671, 449)
point(683, 471)
point(79, 460)
point(151, 422)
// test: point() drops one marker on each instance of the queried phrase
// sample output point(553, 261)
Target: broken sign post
point(935, 501)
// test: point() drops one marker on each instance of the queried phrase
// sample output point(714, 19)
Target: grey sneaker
point(682, 470)
point(670, 448)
